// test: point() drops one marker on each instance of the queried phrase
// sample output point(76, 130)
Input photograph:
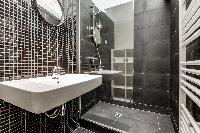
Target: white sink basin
point(41, 94)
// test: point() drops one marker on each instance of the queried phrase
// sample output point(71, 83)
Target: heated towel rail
point(189, 83)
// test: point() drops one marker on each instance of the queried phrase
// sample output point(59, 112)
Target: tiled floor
point(128, 120)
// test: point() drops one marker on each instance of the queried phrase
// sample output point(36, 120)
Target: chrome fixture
point(55, 113)
point(100, 67)
point(96, 33)
point(58, 71)
point(93, 59)
point(96, 26)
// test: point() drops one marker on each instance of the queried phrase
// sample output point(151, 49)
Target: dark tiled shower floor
point(128, 120)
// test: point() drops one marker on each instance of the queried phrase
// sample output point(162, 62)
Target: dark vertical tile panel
point(174, 57)
point(151, 80)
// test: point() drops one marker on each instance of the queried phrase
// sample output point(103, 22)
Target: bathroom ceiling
point(105, 4)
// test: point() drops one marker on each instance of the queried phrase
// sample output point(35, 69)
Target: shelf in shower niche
point(41, 94)
point(118, 59)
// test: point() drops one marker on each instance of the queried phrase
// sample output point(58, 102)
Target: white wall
point(123, 17)
point(104, 4)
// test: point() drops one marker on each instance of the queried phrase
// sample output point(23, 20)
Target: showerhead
point(93, 11)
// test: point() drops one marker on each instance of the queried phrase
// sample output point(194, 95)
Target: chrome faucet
point(96, 66)
point(56, 70)
point(91, 58)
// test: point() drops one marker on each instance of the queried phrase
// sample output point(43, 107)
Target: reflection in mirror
point(51, 11)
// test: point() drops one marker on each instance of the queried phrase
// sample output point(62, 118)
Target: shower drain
point(118, 114)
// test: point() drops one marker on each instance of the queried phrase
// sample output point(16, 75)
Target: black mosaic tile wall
point(88, 49)
point(89, 99)
point(17, 120)
point(28, 44)
point(151, 81)
point(23, 28)
point(174, 56)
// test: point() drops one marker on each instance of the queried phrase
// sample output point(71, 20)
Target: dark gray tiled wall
point(151, 81)
point(87, 48)
point(174, 56)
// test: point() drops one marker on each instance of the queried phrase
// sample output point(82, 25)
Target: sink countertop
point(41, 94)
point(43, 84)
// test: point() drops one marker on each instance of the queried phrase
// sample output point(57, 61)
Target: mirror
point(51, 11)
